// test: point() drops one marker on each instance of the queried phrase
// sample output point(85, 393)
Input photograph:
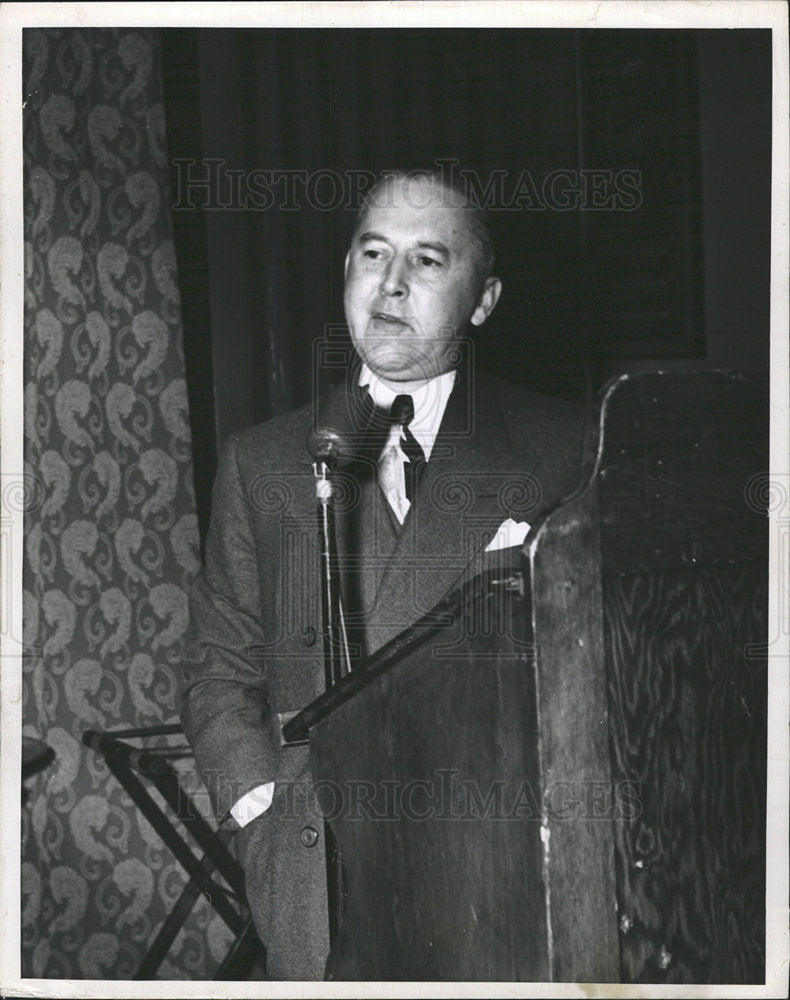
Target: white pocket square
point(509, 533)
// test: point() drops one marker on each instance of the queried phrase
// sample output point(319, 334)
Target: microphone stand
point(336, 655)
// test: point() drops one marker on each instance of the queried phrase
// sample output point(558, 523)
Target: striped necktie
point(401, 459)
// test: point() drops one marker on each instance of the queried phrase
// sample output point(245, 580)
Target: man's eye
point(372, 253)
point(429, 262)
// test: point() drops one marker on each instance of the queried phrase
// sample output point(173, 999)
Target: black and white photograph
point(395, 499)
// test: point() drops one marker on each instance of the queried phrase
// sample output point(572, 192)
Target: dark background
point(681, 280)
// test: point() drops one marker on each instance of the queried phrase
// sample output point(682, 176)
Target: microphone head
point(338, 426)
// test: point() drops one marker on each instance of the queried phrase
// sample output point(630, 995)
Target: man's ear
point(488, 299)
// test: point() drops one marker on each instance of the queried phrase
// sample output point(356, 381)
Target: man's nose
point(394, 282)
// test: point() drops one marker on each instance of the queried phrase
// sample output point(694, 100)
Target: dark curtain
point(609, 194)
point(585, 145)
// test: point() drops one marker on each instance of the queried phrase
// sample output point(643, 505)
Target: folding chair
point(130, 765)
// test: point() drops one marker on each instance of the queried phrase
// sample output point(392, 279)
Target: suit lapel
point(461, 500)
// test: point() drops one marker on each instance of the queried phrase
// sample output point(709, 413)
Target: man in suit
point(466, 456)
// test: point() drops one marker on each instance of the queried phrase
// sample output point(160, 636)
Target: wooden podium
point(566, 782)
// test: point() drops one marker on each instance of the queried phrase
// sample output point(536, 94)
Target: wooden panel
point(684, 554)
point(574, 752)
point(690, 735)
point(679, 470)
point(429, 777)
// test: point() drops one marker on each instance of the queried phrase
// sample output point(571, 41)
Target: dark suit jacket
point(256, 620)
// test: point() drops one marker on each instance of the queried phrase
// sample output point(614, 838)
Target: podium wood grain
point(433, 791)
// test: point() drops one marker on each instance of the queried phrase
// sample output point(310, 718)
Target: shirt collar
point(430, 402)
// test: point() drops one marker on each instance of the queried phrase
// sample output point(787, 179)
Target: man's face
point(411, 283)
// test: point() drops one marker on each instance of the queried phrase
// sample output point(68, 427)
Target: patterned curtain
point(112, 543)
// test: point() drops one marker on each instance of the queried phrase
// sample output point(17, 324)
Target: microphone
point(339, 426)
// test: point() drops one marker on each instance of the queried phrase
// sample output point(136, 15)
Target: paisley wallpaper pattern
point(111, 531)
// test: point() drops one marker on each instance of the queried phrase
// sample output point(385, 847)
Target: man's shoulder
point(281, 439)
point(519, 402)
point(549, 432)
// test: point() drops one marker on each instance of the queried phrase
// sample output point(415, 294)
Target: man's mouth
point(389, 318)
